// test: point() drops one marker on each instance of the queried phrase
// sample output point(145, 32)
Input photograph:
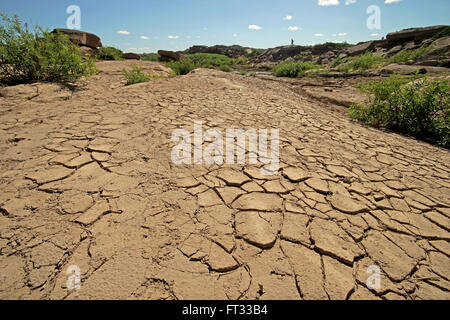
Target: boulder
point(414, 34)
point(131, 56)
point(169, 55)
point(81, 38)
point(88, 51)
point(361, 48)
point(438, 54)
point(411, 69)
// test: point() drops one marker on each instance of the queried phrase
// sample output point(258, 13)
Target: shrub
point(225, 68)
point(243, 73)
point(136, 75)
point(408, 55)
point(109, 53)
point(181, 67)
point(442, 34)
point(150, 57)
point(362, 63)
point(27, 56)
point(209, 60)
point(293, 69)
point(420, 108)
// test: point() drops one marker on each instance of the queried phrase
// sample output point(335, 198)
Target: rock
point(361, 48)
point(414, 34)
point(81, 38)
point(88, 51)
point(411, 69)
point(331, 240)
point(395, 50)
point(346, 204)
point(258, 228)
point(131, 56)
point(169, 55)
point(437, 54)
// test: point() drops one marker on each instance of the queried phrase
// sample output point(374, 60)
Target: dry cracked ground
point(86, 179)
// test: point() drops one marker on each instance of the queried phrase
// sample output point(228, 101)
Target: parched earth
point(86, 180)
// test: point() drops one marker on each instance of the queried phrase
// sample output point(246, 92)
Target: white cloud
point(342, 34)
point(235, 35)
point(374, 34)
point(144, 37)
point(326, 3)
point(254, 27)
point(318, 35)
point(294, 28)
point(123, 32)
point(348, 2)
point(173, 37)
point(391, 1)
point(288, 18)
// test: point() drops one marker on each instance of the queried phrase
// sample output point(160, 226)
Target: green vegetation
point(109, 53)
point(181, 67)
point(137, 75)
point(294, 69)
point(28, 56)
point(150, 57)
point(243, 73)
point(442, 34)
point(204, 60)
point(342, 45)
point(420, 108)
point(362, 63)
point(225, 68)
point(407, 55)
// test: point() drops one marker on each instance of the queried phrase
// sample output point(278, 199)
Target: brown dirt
point(86, 179)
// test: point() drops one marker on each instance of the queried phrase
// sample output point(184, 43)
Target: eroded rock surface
point(87, 180)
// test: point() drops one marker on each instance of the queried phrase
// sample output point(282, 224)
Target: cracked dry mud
point(86, 179)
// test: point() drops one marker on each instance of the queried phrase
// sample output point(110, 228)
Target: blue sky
point(148, 25)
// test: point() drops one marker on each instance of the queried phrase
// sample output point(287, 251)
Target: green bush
point(109, 53)
point(293, 69)
point(136, 75)
point(225, 68)
point(420, 108)
point(181, 67)
point(27, 56)
point(407, 55)
point(209, 60)
point(362, 63)
point(150, 57)
point(442, 34)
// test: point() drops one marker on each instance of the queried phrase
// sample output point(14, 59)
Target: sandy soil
point(86, 179)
